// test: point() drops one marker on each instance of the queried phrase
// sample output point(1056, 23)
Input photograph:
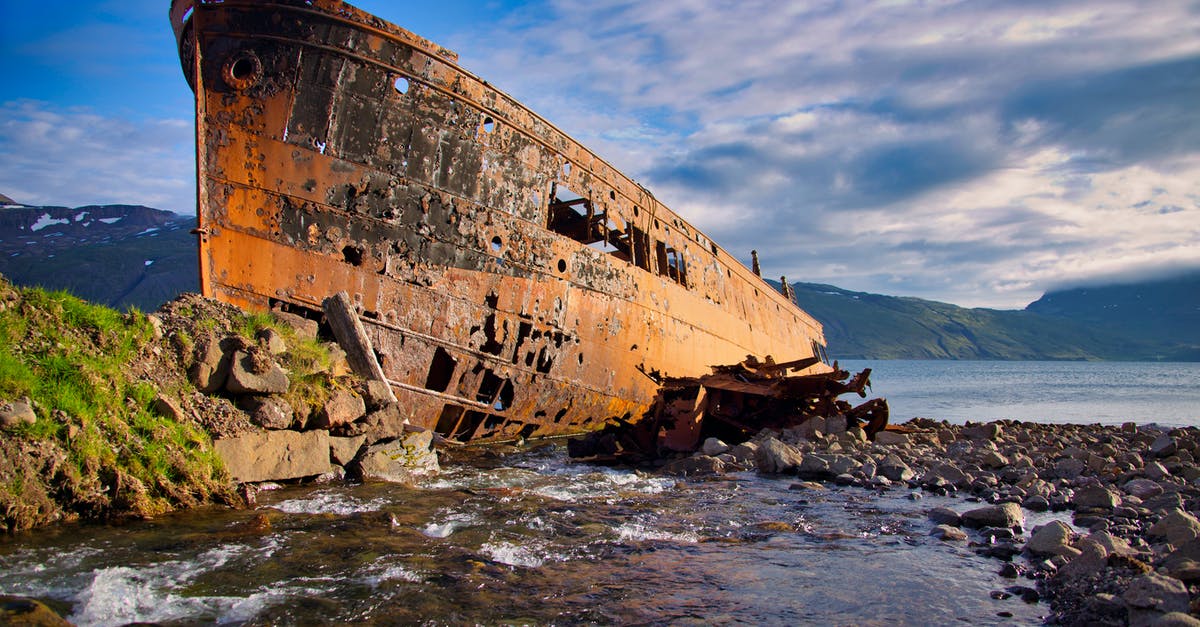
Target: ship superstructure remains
point(513, 283)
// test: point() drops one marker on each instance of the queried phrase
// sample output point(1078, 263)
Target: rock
point(891, 438)
point(988, 431)
point(382, 424)
point(807, 485)
point(24, 611)
point(1091, 561)
point(713, 447)
point(271, 340)
point(275, 455)
point(1002, 515)
point(377, 394)
point(695, 465)
point(342, 407)
point(1177, 527)
point(743, 453)
point(164, 405)
point(1142, 488)
point(776, 457)
point(1053, 538)
point(303, 327)
point(992, 459)
point(946, 533)
point(399, 461)
point(1095, 497)
point(16, 413)
point(1176, 619)
point(945, 516)
point(895, 469)
point(1112, 544)
point(815, 467)
point(1155, 471)
point(1151, 595)
point(268, 412)
point(210, 368)
point(1036, 503)
point(254, 373)
point(1164, 446)
point(946, 473)
point(835, 424)
point(1068, 468)
point(342, 451)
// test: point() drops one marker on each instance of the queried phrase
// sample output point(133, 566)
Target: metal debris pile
point(733, 404)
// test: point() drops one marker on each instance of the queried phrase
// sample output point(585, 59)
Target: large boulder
point(895, 469)
point(382, 424)
point(776, 457)
point(1053, 538)
point(342, 451)
point(275, 455)
point(402, 460)
point(1095, 497)
point(1002, 515)
point(1151, 595)
point(210, 367)
point(694, 466)
point(268, 412)
point(1177, 527)
point(341, 408)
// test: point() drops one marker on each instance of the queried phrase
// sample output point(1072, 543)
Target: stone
point(946, 533)
point(1002, 515)
point(775, 457)
point(166, 407)
point(1155, 471)
point(342, 451)
point(1112, 544)
point(842, 464)
point(807, 485)
point(15, 413)
point(743, 453)
point(1142, 488)
point(271, 340)
point(16, 610)
point(891, 438)
point(695, 465)
point(1095, 497)
point(377, 394)
point(835, 424)
point(1177, 527)
point(816, 467)
point(1151, 595)
point(945, 516)
point(1068, 468)
point(988, 431)
point(946, 473)
point(382, 424)
point(1053, 538)
point(1164, 446)
point(342, 407)
point(275, 455)
point(1036, 503)
point(895, 469)
point(210, 367)
point(253, 373)
point(268, 412)
point(1091, 561)
point(1176, 619)
point(713, 447)
point(303, 327)
point(993, 459)
point(402, 460)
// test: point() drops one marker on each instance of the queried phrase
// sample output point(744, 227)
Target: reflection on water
point(526, 537)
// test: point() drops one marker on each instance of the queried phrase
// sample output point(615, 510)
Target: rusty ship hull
point(513, 283)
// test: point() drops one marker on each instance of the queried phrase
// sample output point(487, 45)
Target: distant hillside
point(115, 255)
point(1163, 311)
point(859, 325)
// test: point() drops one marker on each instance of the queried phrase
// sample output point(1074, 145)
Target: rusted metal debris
point(733, 404)
point(512, 283)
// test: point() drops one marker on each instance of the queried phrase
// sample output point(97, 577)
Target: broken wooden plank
point(353, 338)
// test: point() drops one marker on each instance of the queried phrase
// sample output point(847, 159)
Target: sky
point(978, 153)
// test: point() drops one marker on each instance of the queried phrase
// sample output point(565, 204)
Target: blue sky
point(973, 152)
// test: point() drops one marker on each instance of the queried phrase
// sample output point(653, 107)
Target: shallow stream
point(525, 537)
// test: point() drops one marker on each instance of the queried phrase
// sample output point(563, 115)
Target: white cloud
point(73, 157)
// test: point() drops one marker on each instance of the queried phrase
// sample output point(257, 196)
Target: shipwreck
point(509, 282)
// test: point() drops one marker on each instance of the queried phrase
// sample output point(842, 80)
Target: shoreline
point(1132, 555)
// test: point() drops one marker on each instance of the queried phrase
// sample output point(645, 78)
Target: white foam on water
point(124, 594)
point(382, 571)
point(516, 554)
point(641, 532)
point(329, 502)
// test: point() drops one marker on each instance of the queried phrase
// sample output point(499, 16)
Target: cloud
point(969, 152)
point(72, 157)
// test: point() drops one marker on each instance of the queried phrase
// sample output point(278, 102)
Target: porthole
point(489, 125)
point(242, 70)
point(496, 244)
point(566, 169)
point(401, 85)
point(562, 265)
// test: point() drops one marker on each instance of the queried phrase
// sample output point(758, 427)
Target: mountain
point(860, 325)
point(116, 255)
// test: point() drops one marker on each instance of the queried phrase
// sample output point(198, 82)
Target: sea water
point(528, 536)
